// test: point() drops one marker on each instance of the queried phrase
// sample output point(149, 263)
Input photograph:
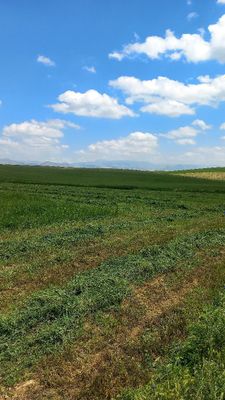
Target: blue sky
point(95, 80)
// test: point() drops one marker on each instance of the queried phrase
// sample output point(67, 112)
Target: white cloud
point(186, 134)
point(140, 146)
point(108, 150)
point(199, 123)
point(192, 47)
point(34, 140)
point(8, 142)
point(192, 15)
point(221, 1)
point(116, 55)
point(136, 146)
point(169, 97)
point(171, 108)
point(91, 104)
point(182, 132)
point(91, 69)
point(50, 129)
point(185, 141)
point(46, 61)
point(183, 135)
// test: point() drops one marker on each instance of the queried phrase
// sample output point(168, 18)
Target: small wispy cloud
point(221, 1)
point(45, 60)
point(222, 126)
point(192, 15)
point(199, 123)
point(202, 32)
point(136, 36)
point(90, 69)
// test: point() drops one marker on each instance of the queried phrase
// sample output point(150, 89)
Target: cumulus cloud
point(170, 97)
point(199, 123)
point(185, 134)
point(137, 146)
point(191, 47)
point(171, 108)
point(34, 140)
point(183, 131)
point(108, 150)
point(46, 61)
point(91, 104)
point(91, 69)
point(141, 146)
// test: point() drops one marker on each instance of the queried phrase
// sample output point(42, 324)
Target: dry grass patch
point(110, 355)
point(218, 176)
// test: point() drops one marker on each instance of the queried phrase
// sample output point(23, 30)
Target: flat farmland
point(111, 284)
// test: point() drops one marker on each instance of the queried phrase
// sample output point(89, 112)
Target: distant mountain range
point(138, 165)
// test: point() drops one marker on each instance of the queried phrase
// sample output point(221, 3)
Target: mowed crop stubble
point(111, 284)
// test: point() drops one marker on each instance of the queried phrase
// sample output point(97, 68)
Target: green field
point(112, 285)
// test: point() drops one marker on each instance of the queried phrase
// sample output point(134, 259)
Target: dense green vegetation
point(105, 178)
point(78, 251)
